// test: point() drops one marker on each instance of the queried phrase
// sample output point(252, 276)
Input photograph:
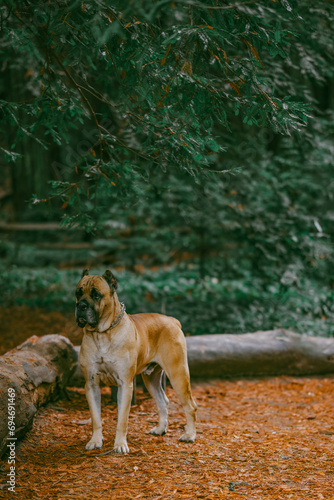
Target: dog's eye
point(96, 296)
point(79, 293)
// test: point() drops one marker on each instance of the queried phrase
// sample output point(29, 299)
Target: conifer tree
point(126, 89)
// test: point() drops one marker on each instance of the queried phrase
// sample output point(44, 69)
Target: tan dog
point(117, 346)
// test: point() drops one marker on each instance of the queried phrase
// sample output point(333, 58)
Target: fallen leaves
point(255, 440)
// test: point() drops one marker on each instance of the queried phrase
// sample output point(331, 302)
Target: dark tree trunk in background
point(29, 174)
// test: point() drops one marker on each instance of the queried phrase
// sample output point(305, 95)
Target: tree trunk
point(275, 352)
point(31, 172)
point(38, 370)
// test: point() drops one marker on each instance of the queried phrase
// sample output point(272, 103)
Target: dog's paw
point(121, 448)
point(158, 431)
point(94, 444)
point(188, 438)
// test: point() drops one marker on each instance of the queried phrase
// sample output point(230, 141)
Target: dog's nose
point(82, 306)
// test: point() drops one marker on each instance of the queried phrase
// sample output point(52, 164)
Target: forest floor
point(18, 323)
point(258, 439)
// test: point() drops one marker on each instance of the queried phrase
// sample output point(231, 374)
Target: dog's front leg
point(93, 395)
point(124, 396)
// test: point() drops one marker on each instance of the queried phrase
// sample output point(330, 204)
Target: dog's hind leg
point(176, 368)
point(153, 384)
point(181, 384)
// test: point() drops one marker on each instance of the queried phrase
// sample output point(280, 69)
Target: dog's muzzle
point(85, 314)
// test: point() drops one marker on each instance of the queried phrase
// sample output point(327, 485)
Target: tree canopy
point(182, 131)
point(127, 89)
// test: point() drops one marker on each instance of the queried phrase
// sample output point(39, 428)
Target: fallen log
point(275, 352)
point(38, 370)
point(30, 226)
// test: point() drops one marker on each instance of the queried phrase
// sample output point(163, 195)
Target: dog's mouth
point(81, 322)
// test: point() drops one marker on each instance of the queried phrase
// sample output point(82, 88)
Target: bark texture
point(274, 352)
point(38, 370)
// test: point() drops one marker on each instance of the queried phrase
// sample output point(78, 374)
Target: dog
point(116, 346)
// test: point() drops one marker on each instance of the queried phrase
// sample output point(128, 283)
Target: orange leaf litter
point(257, 439)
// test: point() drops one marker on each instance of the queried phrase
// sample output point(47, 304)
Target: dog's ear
point(111, 280)
point(84, 273)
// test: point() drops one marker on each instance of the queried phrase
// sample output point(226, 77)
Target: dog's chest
point(105, 371)
point(104, 357)
point(104, 362)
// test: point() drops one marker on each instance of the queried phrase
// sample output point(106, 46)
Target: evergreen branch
point(141, 155)
point(101, 99)
point(217, 7)
point(88, 104)
point(147, 123)
point(90, 108)
point(156, 7)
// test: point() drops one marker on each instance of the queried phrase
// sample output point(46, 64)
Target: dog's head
point(93, 298)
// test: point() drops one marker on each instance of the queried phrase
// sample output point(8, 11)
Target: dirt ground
point(258, 439)
point(18, 323)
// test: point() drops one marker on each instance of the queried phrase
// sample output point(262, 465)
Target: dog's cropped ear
point(84, 273)
point(111, 280)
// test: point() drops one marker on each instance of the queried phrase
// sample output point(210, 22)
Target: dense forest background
point(186, 145)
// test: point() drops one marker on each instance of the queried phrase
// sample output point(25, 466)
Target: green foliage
point(182, 132)
point(208, 305)
point(156, 86)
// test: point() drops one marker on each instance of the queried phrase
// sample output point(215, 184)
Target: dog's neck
point(108, 319)
point(115, 312)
